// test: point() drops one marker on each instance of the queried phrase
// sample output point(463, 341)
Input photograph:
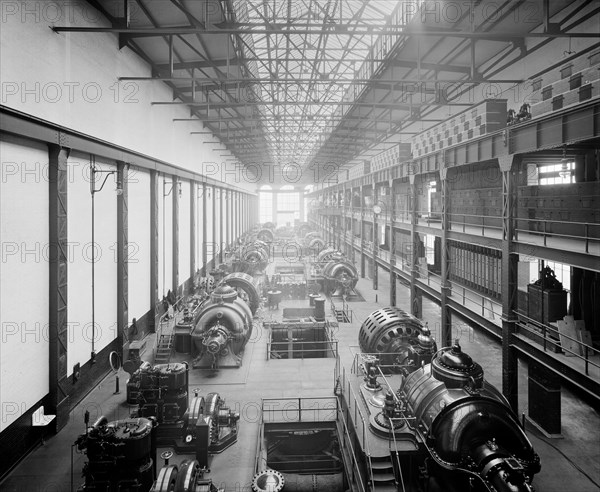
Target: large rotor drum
point(390, 330)
point(265, 235)
point(340, 274)
point(245, 283)
point(329, 254)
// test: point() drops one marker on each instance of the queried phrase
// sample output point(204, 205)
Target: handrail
point(358, 415)
point(391, 433)
point(483, 297)
point(352, 453)
point(332, 345)
point(257, 467)
point(545, 233)
point(545, 328)
point(356, 364)
point(162, 320)
point(299, 400)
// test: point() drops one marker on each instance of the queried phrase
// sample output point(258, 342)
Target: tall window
point(265, 204)
point(288, 206)
point(307, 189)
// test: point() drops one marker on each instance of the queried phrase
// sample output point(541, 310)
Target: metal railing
point(526, 325)
point(299, 409)
point(543, 227)
point(163, 322)
point(483, 299)
point(360, 430)
point(346, 311)
point(330, 346)
point(494, 223)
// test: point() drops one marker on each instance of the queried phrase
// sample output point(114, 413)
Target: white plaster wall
point(82, 255)
point(72, 79)
point(139, 258)
point(24, 271)
point(184, 232)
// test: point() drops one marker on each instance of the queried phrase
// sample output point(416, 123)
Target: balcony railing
point(548, 230)
point(550, 337)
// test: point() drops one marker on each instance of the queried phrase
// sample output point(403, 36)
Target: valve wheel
point(268, 481)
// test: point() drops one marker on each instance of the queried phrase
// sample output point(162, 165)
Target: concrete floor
point(568, 464)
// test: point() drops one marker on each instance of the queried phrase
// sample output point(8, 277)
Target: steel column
point(302, 213)
point(446, 321)
point(175, 239)
point(509, 167)
point(222, 226)
point(204, 228)
point(193, 229)
point(375, 238)
point(154, 212)
point(122, 256)
point(215, 258)
point(392, 218)
point(58, 285)
point(362, 235)
point(416, 296)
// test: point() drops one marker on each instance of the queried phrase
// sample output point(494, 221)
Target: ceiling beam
point(222, 105)
point(213, 84)
point(303, 29)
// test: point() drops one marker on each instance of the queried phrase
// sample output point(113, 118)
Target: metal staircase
point(164, 349)
point(343, 315)
point(384, 479)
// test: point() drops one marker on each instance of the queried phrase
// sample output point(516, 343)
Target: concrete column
point(57, 288)
point(509, 167)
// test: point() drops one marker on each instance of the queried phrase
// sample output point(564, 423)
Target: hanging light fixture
point(565, 165)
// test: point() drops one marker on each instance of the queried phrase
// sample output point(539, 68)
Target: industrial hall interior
point(300, 245)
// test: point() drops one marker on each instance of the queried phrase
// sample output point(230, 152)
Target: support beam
point(416, 296)
point(122, 256)
point(58, 283)
point(175, 238)
point(446, 319)
point(392, 243)
point(193, 228)
point(204, 228)
point(509, 167)
point(154, 304)
point(215, 240)
point(272, 29)
point(375, 239)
